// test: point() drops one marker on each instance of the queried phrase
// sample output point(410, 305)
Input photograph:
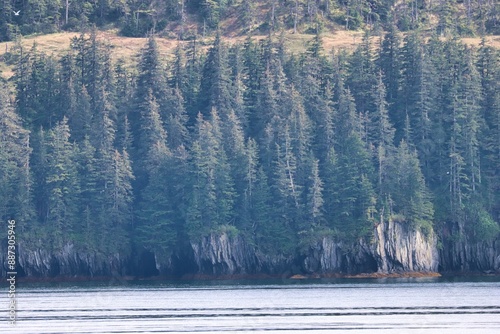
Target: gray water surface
point(313, 306)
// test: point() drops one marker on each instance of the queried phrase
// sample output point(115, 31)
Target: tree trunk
point(295, 17)
point(67, 10)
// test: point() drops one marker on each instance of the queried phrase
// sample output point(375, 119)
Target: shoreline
point(239, 277)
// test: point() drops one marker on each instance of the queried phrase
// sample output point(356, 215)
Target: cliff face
point(464, 255)
point(67, 262)
point(393, 247)
point(220, 254)
point(330, 256)
point(399, 248)
point(223, 255)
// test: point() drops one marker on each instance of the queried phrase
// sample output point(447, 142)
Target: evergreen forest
point(251, 139)
point(186, 18)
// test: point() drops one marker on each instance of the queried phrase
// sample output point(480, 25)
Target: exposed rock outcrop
point(330, 256)
point(67, 262)
point(460, 254)
point(393, 248)
point(398, 247)
point(219, 254)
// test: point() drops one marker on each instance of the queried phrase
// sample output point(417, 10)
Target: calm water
point(313, 306)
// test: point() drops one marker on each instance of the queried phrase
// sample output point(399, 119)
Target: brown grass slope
point(129, 48)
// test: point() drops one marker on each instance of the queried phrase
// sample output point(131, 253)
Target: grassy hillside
point(125, 24)
point(129, 48)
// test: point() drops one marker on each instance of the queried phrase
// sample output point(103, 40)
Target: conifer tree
point(266, 108)
point(151, 134)
point(123, 98)
point(317, 104)
point(347, 122)
point(409, 195)
point(121, 199)
point(15, 166)
point(81, 119)
point(36, 83)
point(362, 75)
point(248, 13)
point(251, 78)
point(234, 145)
point(212, 197)
point(88, 175)
point(288, 189)
point(62, 184)
point(176, 120)
point(90, 60)
point(381, 136)
point(67, 98)
point(488, 67)
point(421, 119)
point(463, 173)
point(248, 219)
point(390, 62)
point(193, 73)
point(215, 86)
point(412, 67)
point(267, 229)
point(380, 129)
point(238, 87)
point(40, 168)
point(350, 193)
point(300, 126)
point(315, 195)
point(151, 85)
point(179, 71)
point(156, 214)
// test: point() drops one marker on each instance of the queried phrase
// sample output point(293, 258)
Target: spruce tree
point(412, 67)
point(315, 195)
point(215, 86)
point(151, 86)
point(362, 75)
point(176, 120)
point(15, 167)
point(212, 197)
point(88, 175)
point(156, 230)
point(62, 185)
point(409, 194)
point(390, 62)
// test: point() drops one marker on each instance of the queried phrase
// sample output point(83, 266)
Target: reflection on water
point(322, 306)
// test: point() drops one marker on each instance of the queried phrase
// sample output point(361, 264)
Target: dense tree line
point(250, 139)
point(138, 17)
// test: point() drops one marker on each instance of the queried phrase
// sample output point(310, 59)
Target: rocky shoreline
point(394, 250)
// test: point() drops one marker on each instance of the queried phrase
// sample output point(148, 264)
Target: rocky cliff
point(460, 253)
point(224, 255)
point(399, 247)
point(66, 262)
point(393, 248)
